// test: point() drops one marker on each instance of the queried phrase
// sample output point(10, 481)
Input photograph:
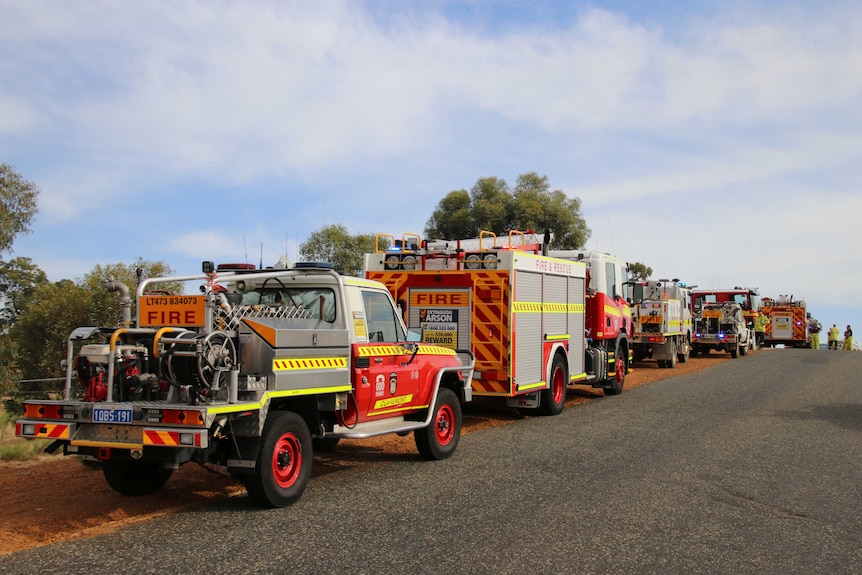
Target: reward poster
point(440, 326)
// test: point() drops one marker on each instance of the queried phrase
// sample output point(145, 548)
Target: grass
point(16, 449)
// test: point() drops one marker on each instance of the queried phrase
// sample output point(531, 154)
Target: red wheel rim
point(444, 424)
point(621, 371)
point(558, 386)
point(286, 460)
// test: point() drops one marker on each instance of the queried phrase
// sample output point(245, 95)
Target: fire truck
point(747, 298)
point(535, 320)
point(662, 322)
point(248, 377)
point(788, 322)
point(721, 327)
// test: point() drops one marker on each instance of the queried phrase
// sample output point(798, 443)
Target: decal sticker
point(359, 327)
point(439, 326)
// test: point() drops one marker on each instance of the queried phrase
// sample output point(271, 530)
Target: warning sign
point(440, 326)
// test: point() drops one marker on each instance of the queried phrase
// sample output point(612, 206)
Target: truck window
point(320, 302)
point(611, 279)
point(380, 317)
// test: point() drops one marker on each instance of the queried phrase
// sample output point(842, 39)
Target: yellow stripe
point(578, 377)
point(531, 386)
point(306, 363)
point(378, 350)
point(611, 310)
point(546, 307)
point(560, 337)
point(393, 401)
point(273, 394)
point(397, 409)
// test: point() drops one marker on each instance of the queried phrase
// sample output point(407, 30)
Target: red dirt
point(56, 498)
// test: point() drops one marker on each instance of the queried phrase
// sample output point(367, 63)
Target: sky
point(719, 141)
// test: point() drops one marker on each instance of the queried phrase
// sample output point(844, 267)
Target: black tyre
point(617, 379)
point(283, 462)
point(671, 363)
point(684, 352)
point(553, 399)
point(135, 477)
point(743, 349)
point(440, 438)
point(734, 351)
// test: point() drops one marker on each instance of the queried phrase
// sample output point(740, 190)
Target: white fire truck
point(246, 378)
point(662, 322)
point(525, 316)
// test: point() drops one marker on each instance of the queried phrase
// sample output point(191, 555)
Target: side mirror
point(415, 334)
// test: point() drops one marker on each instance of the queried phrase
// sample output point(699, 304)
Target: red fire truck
point(747, 298)
point(788, 322)
point(535, 320)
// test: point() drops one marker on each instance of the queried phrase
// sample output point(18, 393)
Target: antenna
point(261, 255)
point(244, 248)
point(611, 231)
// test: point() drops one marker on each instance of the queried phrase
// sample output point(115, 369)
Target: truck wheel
point(685, 352)
point(553, 399)
point(671, 363)
point(617, 380)
point(734, 351)
point(283, 463)
point(440, 438)
point(135, 477)
point(743, 349)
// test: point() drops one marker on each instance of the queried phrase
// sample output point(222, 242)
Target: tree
point(452, 218)
point(17, 205)
point(492, 206)
point(44, 325)
point(639, 271)
point(105, 307)
point(19, 277)
point(334, 244)
point(53, 310)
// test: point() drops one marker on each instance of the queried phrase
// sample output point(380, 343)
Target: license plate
point(112, 415)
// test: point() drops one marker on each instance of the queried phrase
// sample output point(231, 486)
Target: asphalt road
point(752, 466)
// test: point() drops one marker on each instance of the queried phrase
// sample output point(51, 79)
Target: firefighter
point(760, 325)
point(848, 338)
point(814, 328)
point(833, 337)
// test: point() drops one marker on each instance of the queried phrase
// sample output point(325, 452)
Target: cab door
point(389, 382)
